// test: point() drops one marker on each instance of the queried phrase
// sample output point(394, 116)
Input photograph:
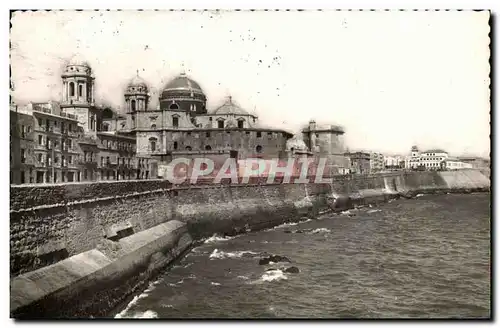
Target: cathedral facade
point(110, 145)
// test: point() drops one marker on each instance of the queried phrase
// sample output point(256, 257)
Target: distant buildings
point(395, 162)
point(376, 162)
point(433, 160)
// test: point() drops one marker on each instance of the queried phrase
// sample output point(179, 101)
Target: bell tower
point(136, 100)
point(78, 93)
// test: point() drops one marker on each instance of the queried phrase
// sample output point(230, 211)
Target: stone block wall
point(49, 223)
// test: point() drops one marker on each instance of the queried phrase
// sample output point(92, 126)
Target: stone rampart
point(93, 225)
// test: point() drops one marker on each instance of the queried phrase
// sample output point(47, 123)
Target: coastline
point(112, 272)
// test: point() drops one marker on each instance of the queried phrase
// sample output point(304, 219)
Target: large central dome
point(181, 85)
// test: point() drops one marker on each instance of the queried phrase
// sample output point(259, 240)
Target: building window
point(174, 106)
point(188, 148)
point(71, 89)
point(70, 159)
point(152, 144)
point(175, 121)
point(153, 126)
point(80, 90)
point(56, 159)
point(40, 158)
point(23, 155)
point(240, 124)
point(208, 134)
point(210, 119)
point(40, 140)
point(175, 145)
point(22, 177)
point(258, 149)
point(70, 144)
point(207, 147)
point(259, 134)
point(62, 127)
point(220, 124)
point(132, 105)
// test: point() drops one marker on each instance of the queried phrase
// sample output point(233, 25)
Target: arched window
point(175, 145)
point(153, 126)
point(132, 105)
point(188, 148)
point(174, 106)
point(175, 121)
point(105, 127)
point(80, 90)
point(258, 149)
point(241, 123)
point(152, 144)
point(72, 89)
point(207, 147)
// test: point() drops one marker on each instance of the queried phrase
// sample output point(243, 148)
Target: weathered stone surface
point(92, 283)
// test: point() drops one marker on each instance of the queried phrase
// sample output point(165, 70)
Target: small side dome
point(137, 85)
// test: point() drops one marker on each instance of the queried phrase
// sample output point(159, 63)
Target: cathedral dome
point(181, 85)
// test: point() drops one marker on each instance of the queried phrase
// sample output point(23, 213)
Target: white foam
point(216, 238)
point(216, 254)
point(214, 283)
point(273, 275)
point(419, 195)
point(373, 211)
point(319, 230)
point(243, 277)
point(346, 212)
point(123, 313)
point(146, 315)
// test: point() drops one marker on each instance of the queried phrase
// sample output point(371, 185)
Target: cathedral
point(132, 144)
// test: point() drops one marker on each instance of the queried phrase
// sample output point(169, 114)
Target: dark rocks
point(292, 269)
point(274, 259)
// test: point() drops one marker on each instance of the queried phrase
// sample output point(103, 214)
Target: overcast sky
point(392, 79)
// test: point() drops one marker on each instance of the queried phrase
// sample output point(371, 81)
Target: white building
point(394, 162)
point(455, 164)
point(434, 159)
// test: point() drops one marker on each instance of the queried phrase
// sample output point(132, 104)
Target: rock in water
point(292, 269)
point(274, 259)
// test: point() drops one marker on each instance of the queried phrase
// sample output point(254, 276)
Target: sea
point(427, 257)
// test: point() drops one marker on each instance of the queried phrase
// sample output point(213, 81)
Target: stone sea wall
point(82, 231)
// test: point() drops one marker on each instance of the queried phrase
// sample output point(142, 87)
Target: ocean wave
point(216, 254)
point(273, 275)
point(288, 224)
point(318, 230)
point(145, 315)
point(123, 313)
point(217, 238)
